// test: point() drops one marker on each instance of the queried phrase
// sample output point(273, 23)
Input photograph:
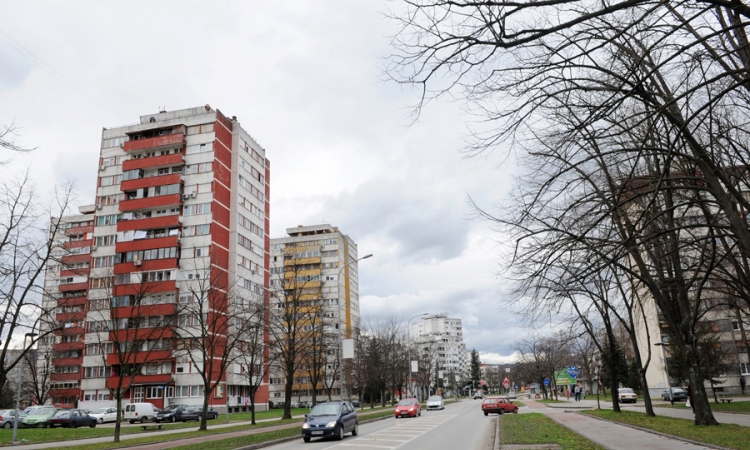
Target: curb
point(658, 433)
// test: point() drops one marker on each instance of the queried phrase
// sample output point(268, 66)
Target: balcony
point(140, 380)
point(151, 202)
point(65, 376)
point(154, 264)
point(159, 309)
point(170, 221)
point(70, 316)
point(69, 392)
point(82, 272)
point(115, 359)
point(65, 346)
point(79, 230)
point(300, 261)
point(160, 180)
point(77, 244)
point(75, 259)
point(151, 287)
point(72, 301)
point(147, 244)
point(69, 331)
point(67, 361)
point(73, 286)
point(156, 143)
point(140, 334)
point(153, 162)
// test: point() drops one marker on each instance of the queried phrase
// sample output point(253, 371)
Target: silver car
point(435, 402)
point(8, 416)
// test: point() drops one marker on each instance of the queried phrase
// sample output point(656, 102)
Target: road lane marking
point(407, 431)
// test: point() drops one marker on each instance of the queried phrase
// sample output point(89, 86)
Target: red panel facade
point(161, 180)
point(151, 202)
point(155, 264)
point(169, 221)
point(172, 140)
point(73, 286)
point(77, 244)
point(74, 259)
point(162, 309)
point(153, 162)
point(144, 289)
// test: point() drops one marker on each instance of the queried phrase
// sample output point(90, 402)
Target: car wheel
point(131, 421)
point(7, 425)
point(46, 425)
point(486, 413)
point(93, 425)
point(515, 410)
point(419, 413)
point(144, 419)
point(355, 431)
point(396, 416)
point(500, 412)
point(340, 437)
point(306, 439)
point(101, 421)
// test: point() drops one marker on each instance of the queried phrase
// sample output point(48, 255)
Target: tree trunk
point(204, 414)
point(703, 414)
point(646, 394)
point(119, 415)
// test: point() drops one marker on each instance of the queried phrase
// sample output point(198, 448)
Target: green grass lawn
point(517, 403)
point(551, 401)
point(536, 428)
point(232, 443)
point(743, 407)
point(724, 435)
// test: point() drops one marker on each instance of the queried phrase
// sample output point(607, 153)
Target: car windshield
point(42, 412)
point(407, 402)
point(434, 398)
point(626, 391)
point(170, 408)
point(678, 390)
point(329, 409)
point(62, 414)
point(490, 400)
point(99, 411)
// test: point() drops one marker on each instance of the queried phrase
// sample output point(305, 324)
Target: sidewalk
point(619, 437)
point(684, 413)
point(610, 435)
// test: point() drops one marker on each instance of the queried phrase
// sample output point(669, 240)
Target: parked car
point(478, 395)
point(103, 415)
point(39, 417)
point(305, 404)
point(678, 394)
point(408, 407)
point(210, 415)
point(435, 402)
point(330, 419)
point(626, 395)
point(8, 417)
point(175, 413)
point(72, 418)
point(498, 405)
point(140, 412)
point(356, 403)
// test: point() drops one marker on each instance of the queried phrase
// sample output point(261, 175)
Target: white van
point(140, 412)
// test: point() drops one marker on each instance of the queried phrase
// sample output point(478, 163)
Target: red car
point(497, 405)
point(408, 407)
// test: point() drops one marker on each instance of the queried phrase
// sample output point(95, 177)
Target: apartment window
point(196, 391)
point(198, 230)
point(745, 368)
point(201, 208)
point(170, 392)
point(106, 240)
point(155, 392)
point(181, 391)
point(109, 219)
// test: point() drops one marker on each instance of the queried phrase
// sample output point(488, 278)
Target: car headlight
point(305, 426)
point(331, 424)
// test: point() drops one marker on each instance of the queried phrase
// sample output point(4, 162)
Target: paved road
point(458, 426)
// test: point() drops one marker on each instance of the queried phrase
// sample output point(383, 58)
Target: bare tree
point(28, 243)
point(254, 357)
point(8, 135)
point(40, 370)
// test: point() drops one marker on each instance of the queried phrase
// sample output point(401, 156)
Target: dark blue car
point(333, 419)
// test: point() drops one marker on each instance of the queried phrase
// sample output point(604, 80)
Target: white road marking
point(407, 431)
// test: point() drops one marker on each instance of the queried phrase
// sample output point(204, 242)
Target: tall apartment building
point(442, 336)
point(321, 261)
point(182, 197)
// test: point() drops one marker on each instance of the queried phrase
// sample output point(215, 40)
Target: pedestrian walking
point(578, 393)
point(567, 393)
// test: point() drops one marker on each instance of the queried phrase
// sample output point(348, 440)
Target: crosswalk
point(402, 432)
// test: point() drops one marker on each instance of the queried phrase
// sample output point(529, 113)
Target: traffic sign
point(546, 381)
point(506, 383)
point(573, 372)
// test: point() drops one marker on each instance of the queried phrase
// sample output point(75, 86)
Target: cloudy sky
point(305, 79)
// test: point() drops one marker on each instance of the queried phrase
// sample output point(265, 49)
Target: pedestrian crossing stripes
point(401, 433)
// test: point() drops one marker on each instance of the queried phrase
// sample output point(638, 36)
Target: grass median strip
point(536, 428)
point(743, 407)
point(724, 435)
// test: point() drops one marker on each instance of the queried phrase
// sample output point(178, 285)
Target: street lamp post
point(18, 393)
point(338, 322)
point(408, 351)
point(666, 370)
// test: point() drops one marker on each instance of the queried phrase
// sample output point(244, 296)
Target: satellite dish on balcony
point(152, 119)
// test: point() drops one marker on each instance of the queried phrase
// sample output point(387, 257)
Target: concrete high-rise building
point(442, 338)
point(322, 262)
point(181, 196)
